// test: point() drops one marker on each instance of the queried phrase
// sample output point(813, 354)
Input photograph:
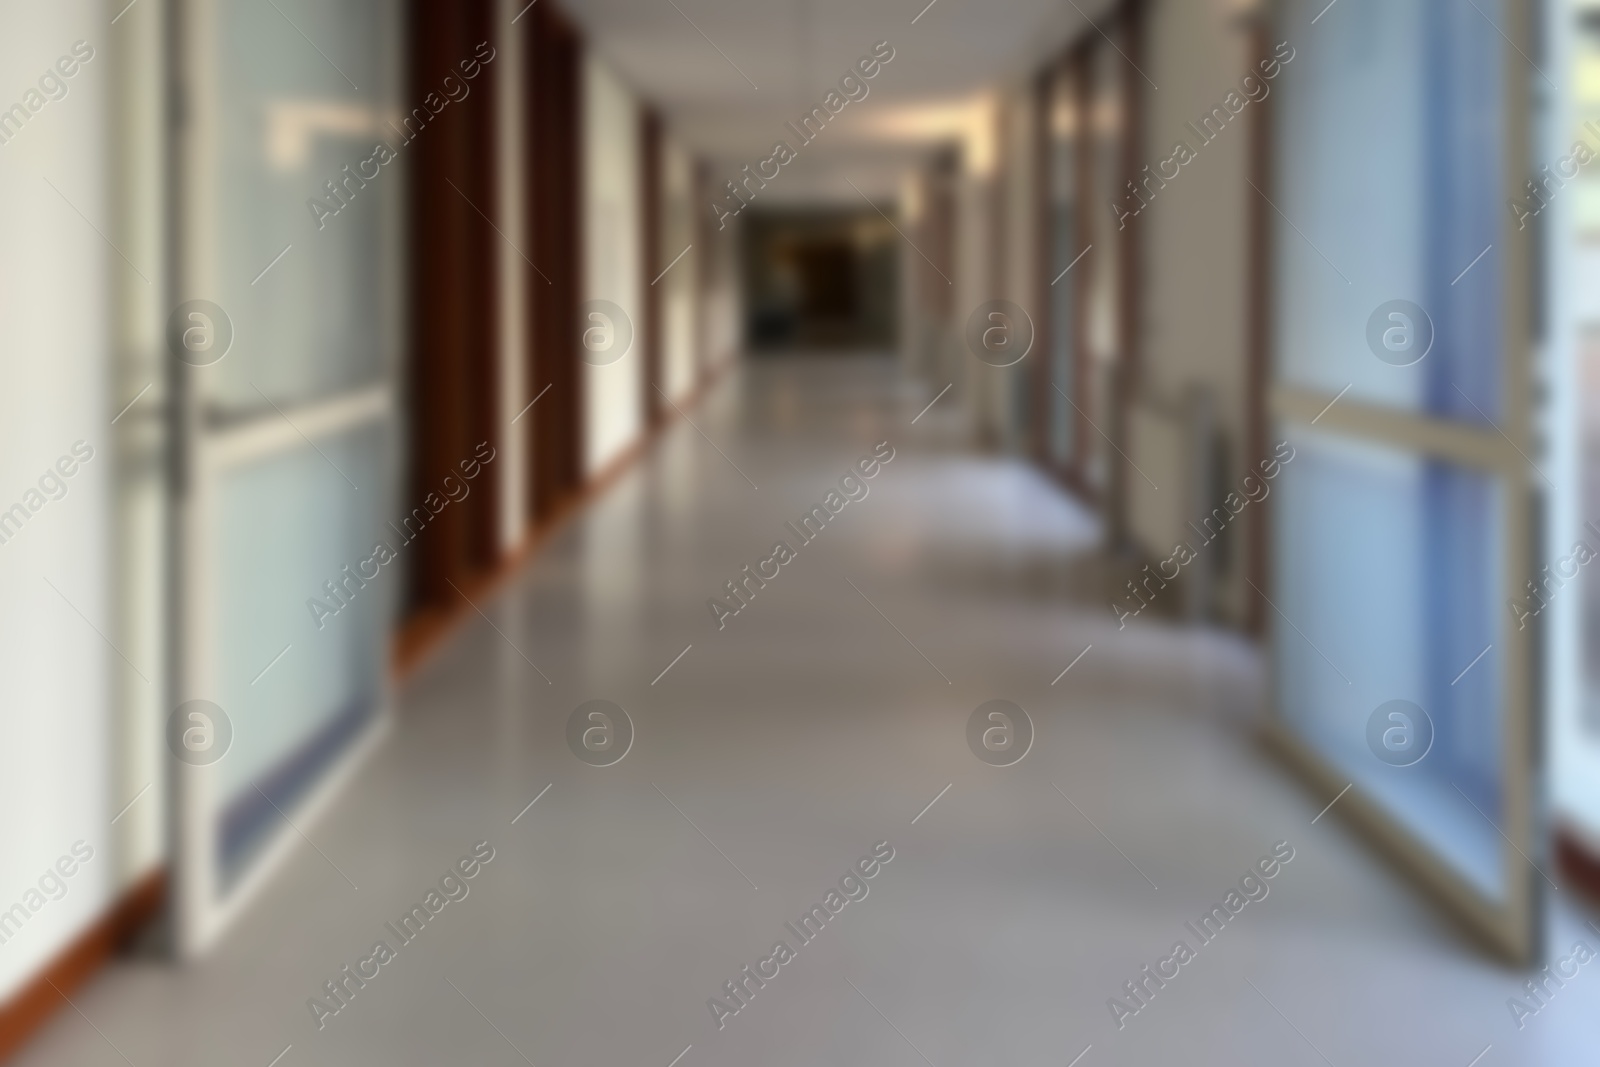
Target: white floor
point(822, 720)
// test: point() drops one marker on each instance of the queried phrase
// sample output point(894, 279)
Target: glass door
point(287, 178)
point(1063, 117)
point(1405, 449)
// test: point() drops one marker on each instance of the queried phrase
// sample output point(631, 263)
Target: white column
point(512, 334)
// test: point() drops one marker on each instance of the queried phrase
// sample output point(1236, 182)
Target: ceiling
point(779, 58)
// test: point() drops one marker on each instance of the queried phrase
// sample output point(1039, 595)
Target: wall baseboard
point(426, 631)
point(35, 1002)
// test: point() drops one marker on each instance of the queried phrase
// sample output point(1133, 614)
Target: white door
point(285, 340)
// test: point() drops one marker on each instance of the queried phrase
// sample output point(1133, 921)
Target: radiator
point(1174, 446)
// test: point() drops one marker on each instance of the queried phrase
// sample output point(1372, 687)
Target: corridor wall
point(513, 175)
point(681, 283)
point(1194, 235)
point(612, 264)
point(55, 576)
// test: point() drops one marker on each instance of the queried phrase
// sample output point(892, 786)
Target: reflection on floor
point(829, 715)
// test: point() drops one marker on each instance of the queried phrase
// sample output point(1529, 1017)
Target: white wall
point(612, 255)
point(1019, 258)
point(55, 761)
point(678, 299)
point(139, 358)
point(511, 174)
point(974, 274)
point(1194, 233)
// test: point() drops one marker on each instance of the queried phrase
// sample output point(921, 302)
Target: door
point(1061, 115)
point(652, 382)
point(286, 262)
point(455, 231)
point(1404, 457)
point(554, 90)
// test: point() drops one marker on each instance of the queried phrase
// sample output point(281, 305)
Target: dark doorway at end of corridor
point(820, 279)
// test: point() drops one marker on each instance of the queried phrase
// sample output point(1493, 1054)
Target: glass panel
point(275, 117)
point(284, 531)
point(1387, 172)
point(288, 123)
point(1062, 159)
point(1388, 574)
point(1107, 122)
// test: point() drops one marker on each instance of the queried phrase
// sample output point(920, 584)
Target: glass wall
point(1087, 101)
point(1062, 111)
point(1407, 504)
point(1390, 171)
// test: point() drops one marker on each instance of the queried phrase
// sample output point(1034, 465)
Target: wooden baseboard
point(1579, 862)
point(427, 630)
point(417, 638)
point(32, 1006)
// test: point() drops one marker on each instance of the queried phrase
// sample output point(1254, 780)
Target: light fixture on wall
point(970, 122)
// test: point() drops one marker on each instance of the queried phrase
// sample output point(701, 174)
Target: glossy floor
point(770, 756)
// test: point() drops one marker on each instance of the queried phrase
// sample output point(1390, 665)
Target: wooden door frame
point(651, 182)
point(1045, 324)
point(452, 370)
point(1127, 370)
point(705, 235)
point(1079, 66)
point(553, 114)
point(1259, 295)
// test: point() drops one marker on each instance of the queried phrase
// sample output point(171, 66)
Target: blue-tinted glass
point(1388, 577)
point(1388, 136)
point(288, 122)
point(283, 529)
